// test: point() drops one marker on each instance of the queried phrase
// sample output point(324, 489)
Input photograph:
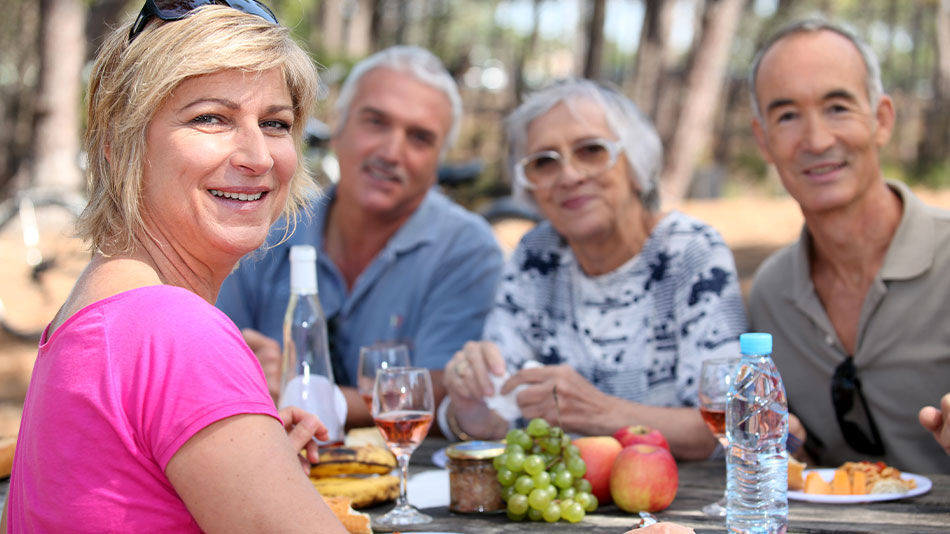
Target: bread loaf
point(355, 522)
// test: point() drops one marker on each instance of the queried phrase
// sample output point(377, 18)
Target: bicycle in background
point(40, 260)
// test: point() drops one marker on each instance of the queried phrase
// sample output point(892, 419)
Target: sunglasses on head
point(851, 410)
point(169, 10)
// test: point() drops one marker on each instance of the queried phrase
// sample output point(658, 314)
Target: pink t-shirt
point(116, 390)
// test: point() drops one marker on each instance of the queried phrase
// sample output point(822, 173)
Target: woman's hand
point(466, 379)
point(301, 427)
point(466, 374)
point(577, 407)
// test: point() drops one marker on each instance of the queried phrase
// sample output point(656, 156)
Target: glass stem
point(403, 460)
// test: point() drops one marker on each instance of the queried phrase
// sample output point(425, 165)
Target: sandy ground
point(753, 227)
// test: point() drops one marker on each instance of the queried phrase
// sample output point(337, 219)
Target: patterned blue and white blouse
point(640, 332)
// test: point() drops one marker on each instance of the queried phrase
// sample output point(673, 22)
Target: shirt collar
point(421, 228)
point(912, 248)
point(910, 253)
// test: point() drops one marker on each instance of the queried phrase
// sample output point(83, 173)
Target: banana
point(364, 491)
point(362, 460)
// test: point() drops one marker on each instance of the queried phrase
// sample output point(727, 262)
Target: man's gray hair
point(873, 84)
point(637, 135)
point(418, 62)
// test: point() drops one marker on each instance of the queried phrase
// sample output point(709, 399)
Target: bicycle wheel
point(40, 262)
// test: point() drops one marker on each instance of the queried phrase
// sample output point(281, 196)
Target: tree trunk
point(704, 87)
point(56, 134)
point(376, 25)
point(402, 21)
point(933, 151)
point(331, 26)
point(942, 67)
point(18, 40)
point(653, 55)
point(595, 40)
point(103, 16)
point(439, 19)
point(524, 52)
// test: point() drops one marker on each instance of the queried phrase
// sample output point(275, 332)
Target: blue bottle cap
point(755, 343)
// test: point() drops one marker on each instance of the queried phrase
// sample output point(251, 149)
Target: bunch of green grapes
point(541, 474)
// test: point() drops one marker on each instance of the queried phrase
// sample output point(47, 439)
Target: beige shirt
point(903, 344)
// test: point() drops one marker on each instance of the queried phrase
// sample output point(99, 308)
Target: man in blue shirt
point(397, 260)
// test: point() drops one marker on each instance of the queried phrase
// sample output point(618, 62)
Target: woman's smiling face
point(582, 207)
point(219, 161)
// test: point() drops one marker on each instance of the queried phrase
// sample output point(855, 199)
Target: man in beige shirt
point(857, 305)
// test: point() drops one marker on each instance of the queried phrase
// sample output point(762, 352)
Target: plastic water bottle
point(757, 426)
point(306, 372)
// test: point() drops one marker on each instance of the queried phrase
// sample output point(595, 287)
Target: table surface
point(701, 483)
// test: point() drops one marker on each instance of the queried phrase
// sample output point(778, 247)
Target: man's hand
point(579, 404)
point(937, 421)
point(797, 436)
point(302, 427)
point(267, 351)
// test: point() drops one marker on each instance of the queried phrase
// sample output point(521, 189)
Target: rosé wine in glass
point(402, 409)
point(714, 380)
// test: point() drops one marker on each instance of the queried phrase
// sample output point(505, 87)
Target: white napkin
point(507, 405)
point(428, 489)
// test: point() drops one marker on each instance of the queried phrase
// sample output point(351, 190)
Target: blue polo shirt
point(431, 286)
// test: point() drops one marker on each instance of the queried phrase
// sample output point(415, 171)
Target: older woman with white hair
point(618, 302)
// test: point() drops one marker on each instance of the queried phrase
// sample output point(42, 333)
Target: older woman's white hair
point(418, 62)
point(638, 138)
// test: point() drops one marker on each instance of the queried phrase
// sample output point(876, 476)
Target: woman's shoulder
point(678, 228)
point(160, 311)
point(688, 247)
point(542, 248)
point(543, 237)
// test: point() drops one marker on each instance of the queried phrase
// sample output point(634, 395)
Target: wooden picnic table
point(701, 483)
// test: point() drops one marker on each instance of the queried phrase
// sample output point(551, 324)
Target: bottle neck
point(303, 277)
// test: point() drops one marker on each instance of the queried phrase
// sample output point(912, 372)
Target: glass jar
point(473, 482)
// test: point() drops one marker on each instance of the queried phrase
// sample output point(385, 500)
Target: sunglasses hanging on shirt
point(852, 412)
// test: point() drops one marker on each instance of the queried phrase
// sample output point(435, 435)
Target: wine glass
point(715, 378)
point(402, 410)
point(372, 359)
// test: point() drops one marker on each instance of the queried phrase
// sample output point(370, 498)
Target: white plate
point(923, 486)
point(439, 458)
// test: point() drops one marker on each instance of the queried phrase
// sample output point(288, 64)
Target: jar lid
point(475, 450)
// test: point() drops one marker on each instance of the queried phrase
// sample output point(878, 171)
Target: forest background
point(684, 62)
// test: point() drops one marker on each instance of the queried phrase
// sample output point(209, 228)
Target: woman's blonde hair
point(131, 81)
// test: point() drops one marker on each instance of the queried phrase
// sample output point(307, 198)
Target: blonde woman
point(146, 411)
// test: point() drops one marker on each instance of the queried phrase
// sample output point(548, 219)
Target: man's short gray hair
point(873, 84)
point(638, 138)
point(418, 62)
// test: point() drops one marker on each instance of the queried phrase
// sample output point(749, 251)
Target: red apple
point(598, 453)
point(644, 478)
point(634, 434)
